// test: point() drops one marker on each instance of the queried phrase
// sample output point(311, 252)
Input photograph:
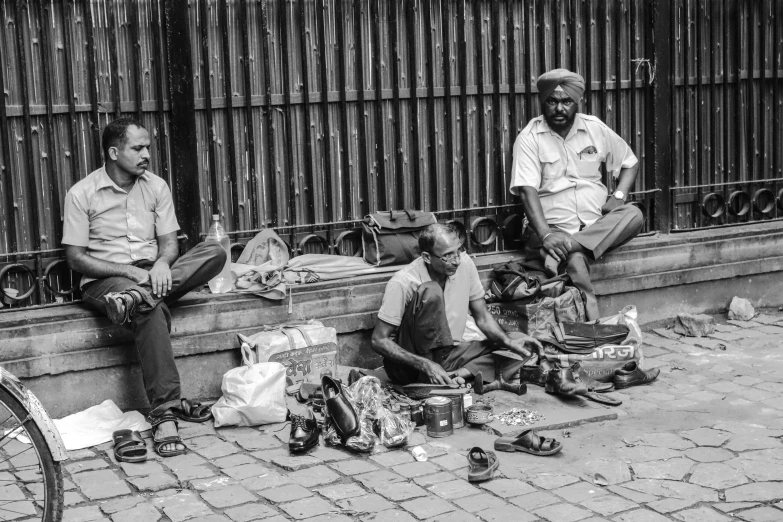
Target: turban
point(569, 82)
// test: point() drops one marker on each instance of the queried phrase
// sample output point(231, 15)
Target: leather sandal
point(158, 444)
point(529, 442)
point(192, 411)
point(129, 446)
point(482, 464)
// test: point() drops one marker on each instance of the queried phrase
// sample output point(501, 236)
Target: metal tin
point(457, 411)
point(438, 415)
point(417, 414)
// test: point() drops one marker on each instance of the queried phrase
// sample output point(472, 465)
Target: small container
point(479, 414)
point(457, 418)
point(417, 414)
point(405, 411)
point(437, 413)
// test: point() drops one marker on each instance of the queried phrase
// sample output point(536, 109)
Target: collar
point(579, 125)
point(104, 181)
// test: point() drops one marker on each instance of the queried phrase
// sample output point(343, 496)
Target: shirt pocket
point(589, 166)
point(551, 166)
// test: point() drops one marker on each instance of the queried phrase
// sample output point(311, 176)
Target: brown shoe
point(119, 307)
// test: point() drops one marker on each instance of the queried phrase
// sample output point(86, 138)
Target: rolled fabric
point(571, 83)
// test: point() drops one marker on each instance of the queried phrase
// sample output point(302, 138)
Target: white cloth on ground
point(96, 424)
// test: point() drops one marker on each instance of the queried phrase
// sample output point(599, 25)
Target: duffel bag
point(391, 237)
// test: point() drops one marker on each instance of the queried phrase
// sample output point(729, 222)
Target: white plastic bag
point(252, 394)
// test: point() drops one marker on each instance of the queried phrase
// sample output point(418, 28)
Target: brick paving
point(701, 444)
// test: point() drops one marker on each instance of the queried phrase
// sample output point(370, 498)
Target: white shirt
point(115, 225)
point(566, 172)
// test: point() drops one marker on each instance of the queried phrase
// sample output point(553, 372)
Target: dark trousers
point(151, 323)
point(610, 231)
point(425, 331)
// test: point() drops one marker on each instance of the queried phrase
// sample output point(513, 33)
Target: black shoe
point(632, 375)
point(304, 433)
point(340, 409)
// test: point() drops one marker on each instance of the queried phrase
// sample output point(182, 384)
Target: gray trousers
point(425, 331)
point(151, 323)
point(610, 231)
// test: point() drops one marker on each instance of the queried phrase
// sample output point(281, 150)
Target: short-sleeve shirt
point(461, 288)
point(566, 172)
point(115, 225)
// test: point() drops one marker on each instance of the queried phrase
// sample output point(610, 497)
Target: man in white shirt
point(556, 172)
point(422, 319)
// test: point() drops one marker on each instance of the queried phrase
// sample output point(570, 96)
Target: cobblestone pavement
point(703, 443)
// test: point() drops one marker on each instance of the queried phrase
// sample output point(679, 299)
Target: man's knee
point(430, 293)
point(635, 217)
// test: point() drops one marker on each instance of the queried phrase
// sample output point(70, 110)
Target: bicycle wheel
point(31, 482)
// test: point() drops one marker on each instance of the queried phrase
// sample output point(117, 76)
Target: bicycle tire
point(51, 470)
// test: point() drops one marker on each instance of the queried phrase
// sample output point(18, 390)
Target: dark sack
point(539, 316)
point(512, 282)
point(392, 237)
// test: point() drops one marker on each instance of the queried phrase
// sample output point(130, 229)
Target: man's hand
point(436, 374)
point(557, 245)
point(518, 345)
point(160, 278)
point(611, 204)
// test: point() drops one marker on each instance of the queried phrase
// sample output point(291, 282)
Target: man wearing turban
point(572, 219)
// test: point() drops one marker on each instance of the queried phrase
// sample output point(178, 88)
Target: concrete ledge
point(72, 348)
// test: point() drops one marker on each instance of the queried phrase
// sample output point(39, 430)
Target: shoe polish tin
point(438, 416)
point(457, 411)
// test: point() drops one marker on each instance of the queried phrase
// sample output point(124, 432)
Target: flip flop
point(193, 411)
point(529, 442)
point(482, 464)
point(129, 446)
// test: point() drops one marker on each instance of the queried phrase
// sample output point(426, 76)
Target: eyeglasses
point(451, 259)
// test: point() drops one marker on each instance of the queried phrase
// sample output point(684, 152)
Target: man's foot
point(119, 306)
point(165, 436)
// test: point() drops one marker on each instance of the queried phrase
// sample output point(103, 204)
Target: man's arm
point(382, 344)
point(160, 273)
point(487, 324)
point(80, 261)
point(556, 244)
point(625, 182)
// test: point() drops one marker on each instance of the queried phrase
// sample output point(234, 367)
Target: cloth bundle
point(586, 337)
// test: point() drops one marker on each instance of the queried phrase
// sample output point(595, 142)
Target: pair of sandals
point(129, 446)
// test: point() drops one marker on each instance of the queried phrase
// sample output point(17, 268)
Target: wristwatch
point(619, 195)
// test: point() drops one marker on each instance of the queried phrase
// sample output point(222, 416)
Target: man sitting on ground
point(426, 303)
point(120, 233)
point(556, 172)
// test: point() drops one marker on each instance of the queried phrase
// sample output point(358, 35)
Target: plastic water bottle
point(221, 283)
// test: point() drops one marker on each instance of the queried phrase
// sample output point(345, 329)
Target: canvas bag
point(391, 237)
point(306, 350)
point(253, 394)
point(540, 315)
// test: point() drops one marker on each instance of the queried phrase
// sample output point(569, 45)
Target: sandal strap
point(157, 420)
point(167, 440)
